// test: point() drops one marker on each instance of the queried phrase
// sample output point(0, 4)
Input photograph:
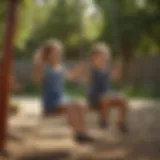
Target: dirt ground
point(32, 139)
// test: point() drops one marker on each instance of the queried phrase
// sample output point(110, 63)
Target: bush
point(144, 92)
point(75, 89)
point(30, 89)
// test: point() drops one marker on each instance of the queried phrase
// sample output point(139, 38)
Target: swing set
point(6, 69)
point(7, 66)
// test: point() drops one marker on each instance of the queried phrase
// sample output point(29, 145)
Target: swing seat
point(54, 113)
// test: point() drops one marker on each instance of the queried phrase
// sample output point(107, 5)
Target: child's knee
point(105, 101)
point(81, 105)
point(122, 103)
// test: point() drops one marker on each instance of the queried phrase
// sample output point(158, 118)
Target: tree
point(67, 21)
point(24, 21)
point(27, 19)
point(126, 25)
point(152, 11)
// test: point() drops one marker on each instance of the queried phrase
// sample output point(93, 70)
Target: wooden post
point(7, 69)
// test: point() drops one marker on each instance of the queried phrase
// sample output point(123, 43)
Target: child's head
point(99, 54)
point(51, 52)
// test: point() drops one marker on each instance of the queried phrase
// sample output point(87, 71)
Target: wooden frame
point(7, 69)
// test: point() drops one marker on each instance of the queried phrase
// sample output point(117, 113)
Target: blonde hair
point(101, 47)
point(46, 48)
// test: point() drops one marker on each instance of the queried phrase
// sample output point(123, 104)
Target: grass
point(78, 90)
point(144, 92)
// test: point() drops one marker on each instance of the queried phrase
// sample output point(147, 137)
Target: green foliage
point(143, 92)
point(62, 23)
point(31, 89)
point(69, 22)
point(25, 19)
point(93, 26)
point(79, 90)
point(126, 24)
point(2, 21)
point(31, 16)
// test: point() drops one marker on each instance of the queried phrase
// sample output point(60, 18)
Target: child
point(50, 73)
point(100, 92)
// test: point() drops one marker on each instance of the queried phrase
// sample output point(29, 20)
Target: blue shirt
point(99, 82)
point(52, 87)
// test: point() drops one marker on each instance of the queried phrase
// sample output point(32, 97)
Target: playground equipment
point(6, 69)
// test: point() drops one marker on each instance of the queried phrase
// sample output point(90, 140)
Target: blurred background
point(131, 28)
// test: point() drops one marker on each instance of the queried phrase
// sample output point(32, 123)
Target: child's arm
point(116, 73)
point(78, 73)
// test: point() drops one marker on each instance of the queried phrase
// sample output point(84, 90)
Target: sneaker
point(103, 124)
point(83, 138)
point(123, 128)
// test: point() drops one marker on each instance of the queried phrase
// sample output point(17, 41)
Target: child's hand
point(82, 65)
point(76, 73)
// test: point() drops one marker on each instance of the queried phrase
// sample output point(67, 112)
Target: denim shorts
point(50, 105)
point(94, 100)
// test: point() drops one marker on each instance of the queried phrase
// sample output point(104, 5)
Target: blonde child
point(51, 74)
point(101, 95)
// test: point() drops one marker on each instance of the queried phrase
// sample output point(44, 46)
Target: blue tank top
point(99, 82)
point(52, 87)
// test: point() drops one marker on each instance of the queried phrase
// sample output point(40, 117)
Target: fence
point(142, 71)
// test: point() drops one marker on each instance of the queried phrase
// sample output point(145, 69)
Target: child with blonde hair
point(101, 95)
point(51, 74)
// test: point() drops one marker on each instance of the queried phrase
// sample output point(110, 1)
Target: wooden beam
point(6, 69)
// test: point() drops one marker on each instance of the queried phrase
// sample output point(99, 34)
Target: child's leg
point(76, 117)
point(122, 124)
point(122, 106)
point(104, 108)
point(81, 115)
point(106, 104)
point(109, 102)
point(72, 115)
point(72, 118)
point(121, 103)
